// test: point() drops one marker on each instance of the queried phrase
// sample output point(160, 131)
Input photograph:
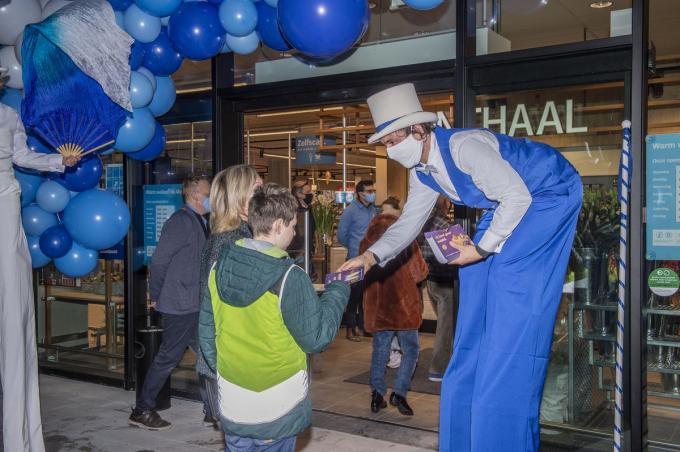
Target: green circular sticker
point(663, 282)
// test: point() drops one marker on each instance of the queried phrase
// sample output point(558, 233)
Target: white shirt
point(13, 149)
point(476, 153)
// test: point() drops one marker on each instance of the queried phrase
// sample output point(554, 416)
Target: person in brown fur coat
point(393, 305)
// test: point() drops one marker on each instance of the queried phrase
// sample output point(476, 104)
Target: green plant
point(325, 212)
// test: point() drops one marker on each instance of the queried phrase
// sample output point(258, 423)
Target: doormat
point(419, 383)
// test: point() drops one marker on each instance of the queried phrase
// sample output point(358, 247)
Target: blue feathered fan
point(76, 77)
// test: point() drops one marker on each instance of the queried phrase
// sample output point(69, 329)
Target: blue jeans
point(242, 444)
point(410, 347)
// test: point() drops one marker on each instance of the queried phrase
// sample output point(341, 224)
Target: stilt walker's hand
point(366, 260)
point(468, 255)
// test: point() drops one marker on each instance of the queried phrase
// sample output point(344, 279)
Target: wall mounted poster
point(160, 202)
point(663, 197)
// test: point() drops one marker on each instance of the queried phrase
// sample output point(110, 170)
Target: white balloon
point(15, 16)
point(17, 46)
point(9, 60)
point(52, 7)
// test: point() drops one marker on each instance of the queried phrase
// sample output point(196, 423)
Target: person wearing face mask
point(351, 230)
point(511, 277)
point(174, 287)
point(302, 191)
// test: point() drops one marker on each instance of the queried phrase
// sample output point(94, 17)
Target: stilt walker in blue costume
point(511, 278)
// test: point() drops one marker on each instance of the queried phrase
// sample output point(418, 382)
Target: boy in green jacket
point(258, 322)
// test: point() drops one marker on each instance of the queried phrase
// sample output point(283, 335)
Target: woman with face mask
point(511, 277)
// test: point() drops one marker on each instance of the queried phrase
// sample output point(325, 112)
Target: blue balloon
point(74, 193)
point(162, 58)
point(164, 97)
point(136, 132)
point(38, 258)
point(245, 44)
point(196, 31)
point(238, 17)
point(272, 3)
point(52, 197)
point(11, 97)
point(35, 220)
point(97, 219)
point(153, 149)
point(423, 5)
point(321, 28)
point(140, 25)
point(30, 183)
point(120, 5)
point(79, 261)
point(148, 74)
point(165, 21)
point(36, 144)
point(120, 19)
point(55, 242)
point(159, 8)
point(137, 53)
point(83, 176)
point(268, 27)
point(141, 90)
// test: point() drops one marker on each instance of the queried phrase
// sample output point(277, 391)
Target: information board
point(160, 202)
point(663, 197)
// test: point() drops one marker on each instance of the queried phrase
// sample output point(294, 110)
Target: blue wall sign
point(160, 202)
point(307, 151)
point(663, 197)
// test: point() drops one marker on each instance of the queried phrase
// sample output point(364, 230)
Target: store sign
point(663, 197)
point(160, 202)
point(518, 120)
point(307, 151)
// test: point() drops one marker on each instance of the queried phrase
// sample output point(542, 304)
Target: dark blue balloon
point(79, 261)
point(161, 56)
point(30, 182)
point(36, 221)
point(137, 53)
point(423, 5)
point(268, 27)
point(11, 97)
point(83, 176)
point(38, 258)
point(36, 144)
point(323, 28)
point(55, 242)
point(97, 219)
point(196, 31)
point(154, 148)
point(120, 5)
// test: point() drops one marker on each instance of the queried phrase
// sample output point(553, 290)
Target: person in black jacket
point(174, 288)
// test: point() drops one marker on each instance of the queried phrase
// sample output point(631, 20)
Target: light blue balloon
point(423, 5)
point(272, 3)
point(140, 25)
point(120, 19)
point(238, 17)
point(36, 220)
point(148, 74)
point(52, 196)
point(141, 90)
point(164, 98)
point(136, 132)
point(243, 45)
point(78, 262)
point(159, 8)
point(11, 97)
point(97, 219)
point(29, 183)
point(38, 258)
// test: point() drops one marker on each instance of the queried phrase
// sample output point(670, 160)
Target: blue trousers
point(492, 388)
point(242, 444)
point(382, 341)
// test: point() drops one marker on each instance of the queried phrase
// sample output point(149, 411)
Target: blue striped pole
point(624, 190)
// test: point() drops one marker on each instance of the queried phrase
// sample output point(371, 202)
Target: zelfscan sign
point(519, 121)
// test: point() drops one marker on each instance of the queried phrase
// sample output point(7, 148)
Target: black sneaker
point(149, 420)
point(401, 404)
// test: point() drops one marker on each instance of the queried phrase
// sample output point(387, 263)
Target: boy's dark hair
point(361, 186)
point(269, 203)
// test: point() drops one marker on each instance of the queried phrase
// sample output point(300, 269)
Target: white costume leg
point(22, 427)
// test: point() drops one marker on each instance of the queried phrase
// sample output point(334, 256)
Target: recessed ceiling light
point(601, 4)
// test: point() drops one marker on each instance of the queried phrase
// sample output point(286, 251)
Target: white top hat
point(396, 108)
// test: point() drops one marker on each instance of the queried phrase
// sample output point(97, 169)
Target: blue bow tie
point(426, 169)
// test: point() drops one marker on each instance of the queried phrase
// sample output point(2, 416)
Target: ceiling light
point(266, 134)
point(277, 156)
point(195, 140)
point(601, 4)
point(286, 113)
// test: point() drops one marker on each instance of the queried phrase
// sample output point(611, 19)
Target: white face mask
point(407, 153)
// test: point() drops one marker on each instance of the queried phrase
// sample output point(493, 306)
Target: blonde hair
point(229, 196)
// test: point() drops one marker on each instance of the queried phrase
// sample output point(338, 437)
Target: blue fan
point(76, 78)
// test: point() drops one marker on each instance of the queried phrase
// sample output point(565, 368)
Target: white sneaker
point(395, 359)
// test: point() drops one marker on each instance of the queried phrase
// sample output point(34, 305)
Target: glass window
point(525, 24)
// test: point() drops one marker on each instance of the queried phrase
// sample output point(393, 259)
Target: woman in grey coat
point(231, 190)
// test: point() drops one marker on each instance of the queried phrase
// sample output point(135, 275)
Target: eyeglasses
point(398, 136)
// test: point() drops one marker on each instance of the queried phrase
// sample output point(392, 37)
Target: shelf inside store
point(603, 363)
point(662, 369)
point(664, 310)
point(665, 341)
point(605, 306)
point(655, 389)
point(597, 336)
